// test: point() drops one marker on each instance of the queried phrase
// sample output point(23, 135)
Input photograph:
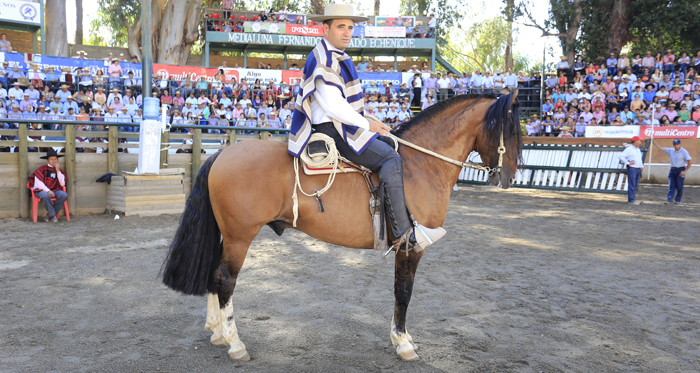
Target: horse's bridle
point(491, 170)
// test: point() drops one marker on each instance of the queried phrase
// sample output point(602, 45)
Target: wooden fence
point(85, 195)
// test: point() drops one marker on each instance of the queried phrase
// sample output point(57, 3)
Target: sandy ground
point(525, 281)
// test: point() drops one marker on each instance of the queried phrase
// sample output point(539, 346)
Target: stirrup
point(426, 236)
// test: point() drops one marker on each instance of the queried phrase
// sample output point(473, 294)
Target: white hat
point(338, 11)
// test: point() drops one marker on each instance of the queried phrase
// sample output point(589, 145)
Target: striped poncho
point(335, 69)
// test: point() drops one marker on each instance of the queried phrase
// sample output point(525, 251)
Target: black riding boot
point(391, 177)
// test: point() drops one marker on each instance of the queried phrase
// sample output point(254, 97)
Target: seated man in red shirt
point(48, 182)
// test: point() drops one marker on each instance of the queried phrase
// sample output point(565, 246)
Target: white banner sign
point(251, 75)
point(385, 32)
point(612, 131)
point(20, 11)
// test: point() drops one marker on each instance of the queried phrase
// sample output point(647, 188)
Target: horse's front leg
point(404, 272)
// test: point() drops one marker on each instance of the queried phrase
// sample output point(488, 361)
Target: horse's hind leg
point(404, 272)
point(225, 277)
point(214, 320)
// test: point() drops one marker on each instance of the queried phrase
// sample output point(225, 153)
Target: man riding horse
point(331, 102)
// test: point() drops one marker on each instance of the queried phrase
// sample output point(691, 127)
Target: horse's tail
point(195, 252)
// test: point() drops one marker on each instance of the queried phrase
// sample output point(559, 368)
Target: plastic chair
point(36, 200)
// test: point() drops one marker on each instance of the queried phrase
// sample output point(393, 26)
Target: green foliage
point(111, 17)
point(663, 24)
point(482, 47)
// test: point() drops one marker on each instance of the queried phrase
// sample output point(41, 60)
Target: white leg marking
point(214, 320)
point(404, 344)
point(230, 333)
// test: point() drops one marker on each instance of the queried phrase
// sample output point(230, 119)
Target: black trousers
point(373, 157)
point(380, 157)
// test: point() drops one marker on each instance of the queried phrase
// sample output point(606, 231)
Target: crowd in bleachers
point(662, 89)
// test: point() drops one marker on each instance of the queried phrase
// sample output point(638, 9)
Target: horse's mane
point(428, 114)
point(503, 113)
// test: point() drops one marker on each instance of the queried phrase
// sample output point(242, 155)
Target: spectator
point(5, 45)
point(47, 182)
point(668, 61)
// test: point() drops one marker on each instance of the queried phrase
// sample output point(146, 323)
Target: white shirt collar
point(331, 47)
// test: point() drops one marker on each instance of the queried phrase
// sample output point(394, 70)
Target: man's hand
point(379, 127)
point(631, 163)
point(51, 194)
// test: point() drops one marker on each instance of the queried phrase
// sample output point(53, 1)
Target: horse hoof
point(239, 355)
point(409, 355)
point(217, 340)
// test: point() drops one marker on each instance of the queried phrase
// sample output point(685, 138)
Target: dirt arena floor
point(525, 281)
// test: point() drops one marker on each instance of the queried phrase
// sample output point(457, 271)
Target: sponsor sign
point(404, 21)
point(180, 72)
point(612, 131)
point(20, 11)
point(661, 132)
point(385, 32)
point(265, 27)
point(379, 78)
point(265, 76)
point(291, 77)
point(305, 30)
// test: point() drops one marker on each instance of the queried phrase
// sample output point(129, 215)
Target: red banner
point(181, 72)
point(291, 77)
point(661, 132)
point(304, 30)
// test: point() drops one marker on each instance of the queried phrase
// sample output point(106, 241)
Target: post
point(206, 54)
point(245, 59)
point(432, 61)
point(285, 60)
point(43, 30)
point(112, 149)
point(146, 53)
point(653, 110)
point(34, 41)
point(164, 145)
point(70, 167)
point(232, 137)
point(396, 64)
point(196, 152)
point(544, 52)
point(263, 135)
point(23, 172)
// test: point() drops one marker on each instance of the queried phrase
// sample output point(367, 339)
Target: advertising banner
point(265, 27)
point(404, 21)
point(291, 77)
point(367, 78)
point(305, 30)
point(20, 11)
point(612, 131)
point(669, 132)
point(180, 72)
point(385, 32)
point(265, 76)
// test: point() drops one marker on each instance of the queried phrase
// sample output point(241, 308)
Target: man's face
point(677, 147)
point(637, 143)
point(339, 33)
point(53, 161)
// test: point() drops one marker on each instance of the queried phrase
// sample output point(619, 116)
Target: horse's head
point(501, 122)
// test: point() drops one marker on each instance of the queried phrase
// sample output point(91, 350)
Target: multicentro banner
point(660, 132)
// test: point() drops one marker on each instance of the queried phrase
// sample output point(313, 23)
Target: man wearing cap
point(33, 93)
point(680, 164)
point(81, 55)
point(404, 114)
point(26, 101)
point(632, 158)
point(444, 86)
point(16, 91)
point(63, 94)
point(47, 182)
point(431, 84)
point(337, 108)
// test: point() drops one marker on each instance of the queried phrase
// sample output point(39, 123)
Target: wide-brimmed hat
point(51, 153)
point(499, 71)
point(564, 58)
point(63, 86)
point(338, 11)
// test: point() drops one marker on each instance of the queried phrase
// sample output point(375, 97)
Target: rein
point(491, 171)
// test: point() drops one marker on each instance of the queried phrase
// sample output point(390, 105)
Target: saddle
point(316, 162)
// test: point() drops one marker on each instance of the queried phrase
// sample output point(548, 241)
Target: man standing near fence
point(632, 158)
point(680, 164)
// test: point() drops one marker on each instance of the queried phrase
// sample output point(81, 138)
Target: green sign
point(311, 41)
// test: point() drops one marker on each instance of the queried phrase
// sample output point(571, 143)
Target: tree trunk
point(619, 25)
point(318, 6)
point(134, 39)
point(56, 30)
point(572, 32)
point(157, 9)
point(509, 41)
point(376, 7)
point(179, 29)
point(79, 22)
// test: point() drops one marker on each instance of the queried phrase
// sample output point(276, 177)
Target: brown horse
point(250, 184)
